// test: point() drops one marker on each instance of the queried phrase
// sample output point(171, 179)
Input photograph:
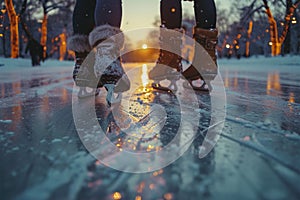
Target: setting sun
point(144, 46)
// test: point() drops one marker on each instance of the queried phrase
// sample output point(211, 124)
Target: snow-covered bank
point(290, 62)
point(261, 63)
point(21, 63)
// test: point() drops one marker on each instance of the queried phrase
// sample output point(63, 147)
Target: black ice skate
point(168, 65)
point(108, 69)
point(207, 68)
point(82, 72)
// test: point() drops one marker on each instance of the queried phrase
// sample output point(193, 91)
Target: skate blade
point(157, 86)
point(84, 93)
point(201, 88)
point(110, 97)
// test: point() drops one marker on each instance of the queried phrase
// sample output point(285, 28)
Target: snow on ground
point(8, 64)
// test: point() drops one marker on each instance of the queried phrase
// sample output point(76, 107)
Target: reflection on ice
point(273, 84)
point(292, 97)
point(255, 83)
point(37, 130)
point(145, 78)
point(2, 91)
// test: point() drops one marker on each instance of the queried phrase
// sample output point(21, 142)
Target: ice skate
point(108, 41)
point(83, 75)
point(195, 81)
point(164, 73)
point(207, 68)
point(168, 66)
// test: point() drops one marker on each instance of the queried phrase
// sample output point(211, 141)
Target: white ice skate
point(108, 41)
point(83, 73)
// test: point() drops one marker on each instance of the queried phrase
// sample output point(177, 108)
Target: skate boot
point(81, 72)
point(108, 41)
point(168, 65)
point(208, 40)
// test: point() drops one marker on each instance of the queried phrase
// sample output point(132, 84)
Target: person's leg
point(171, 18)
point(205, 34)
point(108, 12)
point(32, 60)
point(108, 39)
point(83, 16)
point(83, 24)
point(205, 14)
point(37, 58)
point(171, 13)
point(205, 31)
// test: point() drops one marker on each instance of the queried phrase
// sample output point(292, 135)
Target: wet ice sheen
point(263, 112)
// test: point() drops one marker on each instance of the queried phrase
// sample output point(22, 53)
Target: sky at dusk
point(138, 14)
point(142, 13)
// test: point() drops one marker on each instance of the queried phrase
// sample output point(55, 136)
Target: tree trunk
point(3, 34)
point(22, 20)
point(275, 44)
point(291, 9)
point(62, 46)
point(14, 32)
point(247, 53)
point(44, 34)
point(287, 41)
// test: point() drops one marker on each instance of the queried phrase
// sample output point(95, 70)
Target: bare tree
point(14, 31)
point(276, 39)
point(49, 6)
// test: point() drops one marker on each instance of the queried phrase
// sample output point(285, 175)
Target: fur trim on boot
point(104, 32)
point(79, 43)
point(107, 42)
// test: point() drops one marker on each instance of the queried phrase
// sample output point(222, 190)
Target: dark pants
point(171, 13)
point(90, 13)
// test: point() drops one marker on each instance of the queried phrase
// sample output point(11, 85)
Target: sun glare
point(144, 46)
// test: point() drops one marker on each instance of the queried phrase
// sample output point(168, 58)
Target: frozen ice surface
point(256, 157)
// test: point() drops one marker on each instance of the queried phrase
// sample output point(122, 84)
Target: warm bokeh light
point(152, 186)
point(117, 196)
point(292, 97)
point(168, 196)
point(273, 83)
point(138, 198)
